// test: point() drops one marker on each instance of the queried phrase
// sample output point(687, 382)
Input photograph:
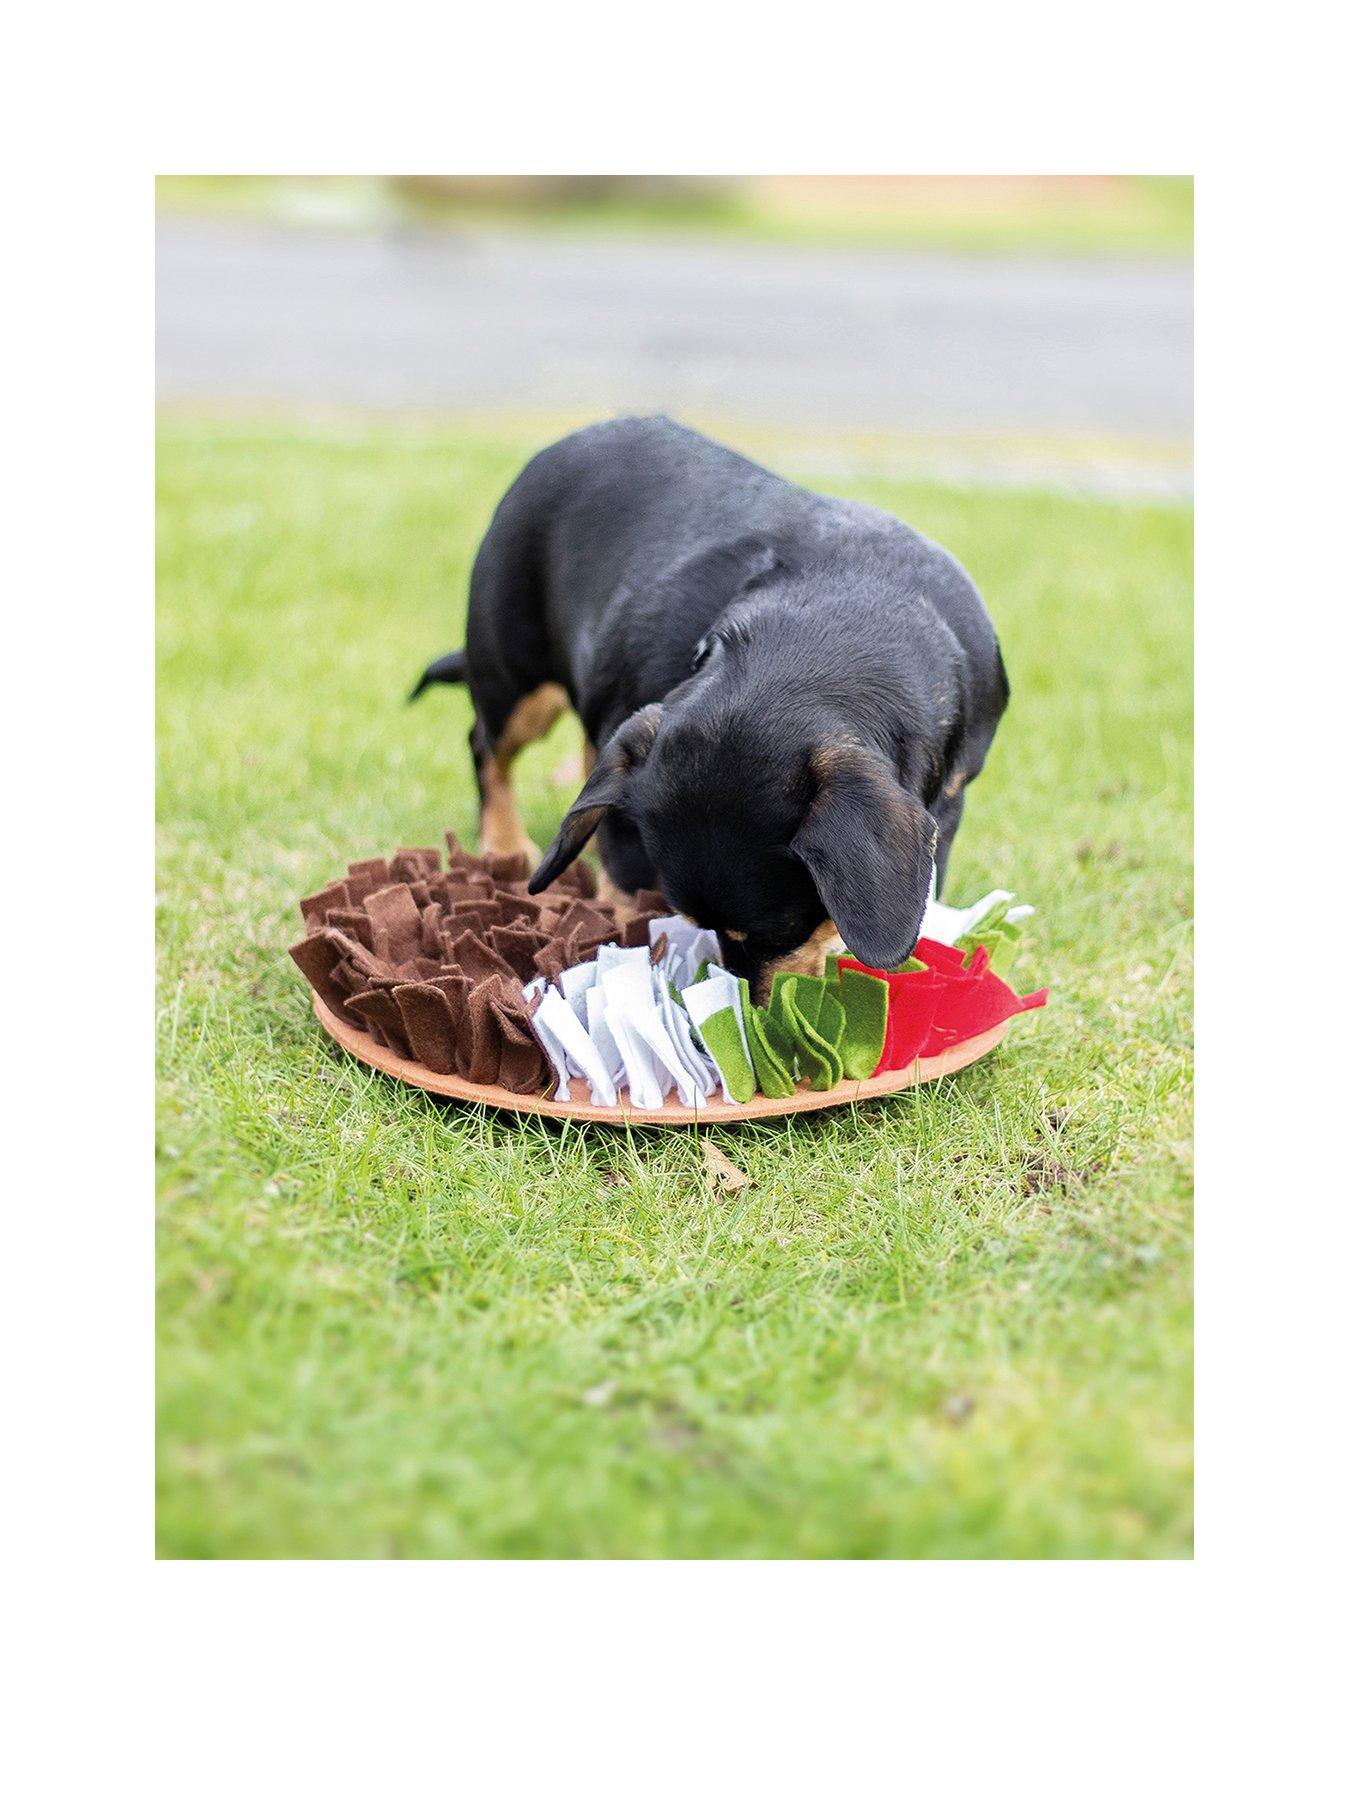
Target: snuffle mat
point(451, 977)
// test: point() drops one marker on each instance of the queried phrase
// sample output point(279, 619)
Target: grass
point(953, 1325)
point(1082, 215)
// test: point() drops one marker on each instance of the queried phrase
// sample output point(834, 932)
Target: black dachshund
point(785, 696)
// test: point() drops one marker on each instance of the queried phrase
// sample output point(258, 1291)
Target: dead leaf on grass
point(723, 1171)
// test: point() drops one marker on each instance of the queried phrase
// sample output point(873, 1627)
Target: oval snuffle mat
point(455, 979)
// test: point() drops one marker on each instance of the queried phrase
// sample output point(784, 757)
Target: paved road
point(781, 336)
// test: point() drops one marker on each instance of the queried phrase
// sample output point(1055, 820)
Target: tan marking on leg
point(806, 959)
point(954, 783)
point(501, 828)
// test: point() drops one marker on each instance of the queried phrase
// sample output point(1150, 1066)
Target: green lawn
point(954, 1324)
point(1119, 215)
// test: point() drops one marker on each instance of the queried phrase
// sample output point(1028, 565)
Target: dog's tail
point(445, 668)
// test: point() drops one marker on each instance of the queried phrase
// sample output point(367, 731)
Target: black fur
point(828, 681)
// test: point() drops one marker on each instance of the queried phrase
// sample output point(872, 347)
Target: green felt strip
point(721, 1036)
point(1002, 942)
point(866, 1000)
point(817, 1057)
point(808, 992)
point(829, 1021)
point(770, 1050)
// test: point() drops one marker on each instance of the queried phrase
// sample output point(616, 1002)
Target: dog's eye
point(702, 651)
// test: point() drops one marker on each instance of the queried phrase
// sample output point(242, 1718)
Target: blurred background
point(1003, 329)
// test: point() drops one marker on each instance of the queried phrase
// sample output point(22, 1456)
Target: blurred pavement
point(782, 336)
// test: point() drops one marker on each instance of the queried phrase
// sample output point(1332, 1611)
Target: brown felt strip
point(479, 960)
point(635, 931)
point(314, 906)
point(455, 988)
point(519, 906)
point(432, 917)
point(414, 865)
point(517, 947)
point(418, 968)
point(583, 915)
point(472, 892)
point(522, 1066)
point(485, 1038)
point(380, 1012)
point(475, 919)
point(317, 960)
point(427, 1020)
point(357, 924)
point(552, 960)
point(355, 951)
point(504, 866)
point(394, 913)
point(365, 877)
point(579, 879)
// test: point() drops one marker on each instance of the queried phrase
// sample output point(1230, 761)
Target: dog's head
point(770, 821)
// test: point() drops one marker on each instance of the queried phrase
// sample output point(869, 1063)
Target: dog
point(785, 696)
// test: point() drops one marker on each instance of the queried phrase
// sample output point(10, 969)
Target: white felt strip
point(575, 983)
point(632, 996)
point(700, 1065)
point(944, 924)
point(583, 1059)
point(553, 1050)
point(645, 1087)
point(710, 996)
point(650, 1026)
point(686, 946)
point(602, 1037)
point(614, 956)
point(716, 994)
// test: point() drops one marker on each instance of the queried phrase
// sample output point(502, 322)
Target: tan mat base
point(713, 1112)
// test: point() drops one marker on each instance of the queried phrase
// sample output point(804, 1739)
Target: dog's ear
point(627, 750)
point(869, 846)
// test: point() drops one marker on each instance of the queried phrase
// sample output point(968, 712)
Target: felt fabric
point(317, 960)
point(431, 960)
point(797, 1002)
point(866, 1002)
point(714, 1009)
point(396, 922)
point(943, 924)
point(771, 1051)
point(636, 1021)
point(579, 1054)
point(999, 932)
point(378, 1008)
point(601, 1036)
point(314, 908)
point(523, 1068)
point(463, 970)
point(555, 1054)
point(429, 1026)
point(950, 999)
point(688, 947)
